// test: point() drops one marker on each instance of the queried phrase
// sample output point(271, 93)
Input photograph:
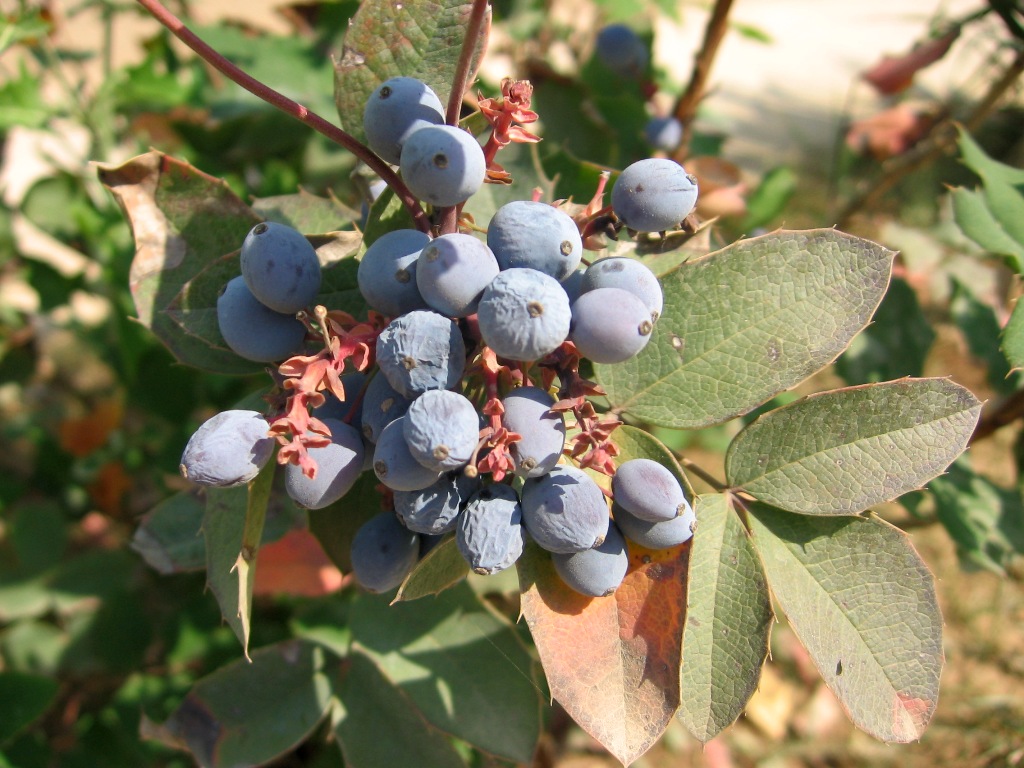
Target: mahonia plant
point(467, 382)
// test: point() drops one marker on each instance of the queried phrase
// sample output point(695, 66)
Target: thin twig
point(293, 108)
point(689, 101)
point(1009, 411)
point(940, 139)
point(477, 16)
point(696, 469)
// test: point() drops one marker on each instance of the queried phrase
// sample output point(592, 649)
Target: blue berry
point(452, 273)
point(621, 50)
point(654, 195)
point(395, 110)
point(610, 325)
point(381, 405)
point(395, 466)
point(661, 535)
point(648, 490)
point(490, 534)
point(629, 275)
point(524, 314)
point(443, 165)
point(565, 510)
point(442, 429)
point(339, 465)
point(663, 133)
point(419, 351)
point(254, 331)
point(228, 449)
point(383, 553)
point(524, 233)
point(435, 509)
point(280, 267)
point(387, 272)
point(596, 572)
point(528, 413)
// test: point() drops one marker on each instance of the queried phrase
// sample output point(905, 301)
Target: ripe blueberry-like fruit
point(435, 509)
point(443, 165)
point(528, 413)
point(395, 110)
point(654, 195)
point(382, 404)
point(648, 490)
point(523, 314)
point(452, 273)
point(661, 535)
point(621, 50)
point(442, 429)
point(573, 284)
point(339, 465)
point(524, 233)
point(421, 350)
point(490, 534)
point(565, 510)
point(395, 466)
point(629, 275)
point(663, 133)
point(387, 272)
point(596, 572)
point(280, 267)
point(253, 330)
point(610, 325)
point(228, 449)
point(383, 553)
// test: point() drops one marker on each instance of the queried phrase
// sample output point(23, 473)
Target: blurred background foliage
point(96, 646)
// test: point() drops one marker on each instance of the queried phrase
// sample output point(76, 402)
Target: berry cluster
point(455, 390)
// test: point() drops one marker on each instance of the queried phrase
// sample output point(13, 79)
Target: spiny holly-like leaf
point(839, 452)
point(306, 212)
point(250, 713)
point(728, 619)
point(747, 322)
point(460, 664)
point(381, 726)
point(441, 568)
point(414, 38)
point(182, 221)
point(169, 537)
point(1013, 337)
point(863, 603)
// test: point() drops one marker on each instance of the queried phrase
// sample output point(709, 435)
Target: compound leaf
point(380, 725)
point(840, 452)
point(728, 619)
point(747, 322)
point(441, 568)
point(460, 664)
point(415, 38)
point(249, 713)
point(863, 604)
point(182, 220)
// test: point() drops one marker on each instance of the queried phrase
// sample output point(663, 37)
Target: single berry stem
point(293, 108)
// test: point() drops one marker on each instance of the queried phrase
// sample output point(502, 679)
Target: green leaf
point(986, 522)
point(770, 197)
point(862, 602)
point(462, 665)
point(728, 619)
point(896, 343)
point(441, 568)
point(521, 161)
point(987, 168)
point(1013, 338)
point(747, 322)
point(980, 327)
point(972, 215)
point(339, 288)
point(381, 726)
point(250, 713)
point(387, 214)
point(23, 699)
point(169, 536)
point(839, 452)
point(306, 212)
point(182, 220)
point(420, 38)
point(335, 525)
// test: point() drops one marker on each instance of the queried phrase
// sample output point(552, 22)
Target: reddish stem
point(460, 82)
point(293, 108)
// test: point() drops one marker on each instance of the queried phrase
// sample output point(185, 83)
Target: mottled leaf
point(462, 665)
point(896, 343)
point(747, 322)
point(182, 220)
point(306, 212)
point(417, 38)
point(249, 713)
point(381, 726)
point(612, 662)
point(170, 538)
point(728, 619)
point(441, 568)
point(862, 602)
point(840, 452)
point(23, 699)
